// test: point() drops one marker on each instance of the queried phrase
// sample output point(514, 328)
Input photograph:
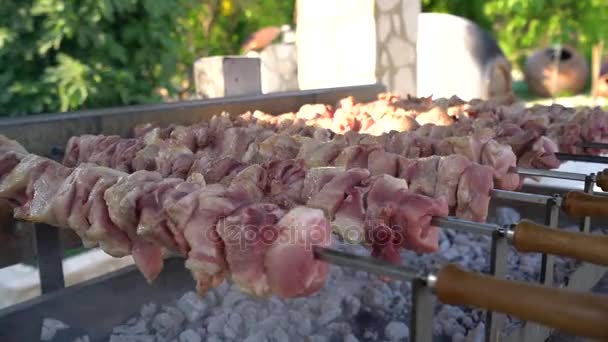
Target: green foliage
point(521, 26)
point(60, 55)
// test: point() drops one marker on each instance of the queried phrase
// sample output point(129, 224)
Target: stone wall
point(396, 36)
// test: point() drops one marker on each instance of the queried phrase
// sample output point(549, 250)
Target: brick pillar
point(396, 35)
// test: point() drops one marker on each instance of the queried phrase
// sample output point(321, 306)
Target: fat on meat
point(501, 158)
point(449, 170)
point(291, 268)
point(247, 234)
point(474, 191)
point(422, 178)
point(397, 218)
point(331, 196)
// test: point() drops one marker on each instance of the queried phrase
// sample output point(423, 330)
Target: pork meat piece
point(314, 111)
point(111, 239)
point(436, 116)
point(381, 162)
point(253, 180)
point(70, 204)
point(85, 147)
point(410, 145)
point(276, 147)
point(125, 152)
point(122, 201)
point(541, 155)
point(449, 170)
point(469, 146)
point(10, 145)
point(423, 176)
point(291, 267)
point(31, 185)
point(166, 158)
point(247, 234)
point(389, 123)
point(567, 135)
point(356, 156)
point(153, 220)
point(315, 180)
point(330, 197)
point(520, 142)
point(285, 181)
point(501, 158)
point(196, 215)
point(235, 141)
point(318, 154)
point(215, 170)
point(397, 218)
point(349, 219)
point(474, 191)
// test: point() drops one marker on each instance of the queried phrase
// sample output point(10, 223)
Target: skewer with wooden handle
point(601, 180)
point(582, 314)
point(581, 204)
point(532, 237)
point(529, 237)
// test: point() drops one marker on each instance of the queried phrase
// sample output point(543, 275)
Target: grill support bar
point(585, 224)
point(49, 257)
point(423, 307)
point(582, 158)
point(499, 269)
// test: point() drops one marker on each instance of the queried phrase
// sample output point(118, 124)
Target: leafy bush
point(521, 26)
point(60, 55)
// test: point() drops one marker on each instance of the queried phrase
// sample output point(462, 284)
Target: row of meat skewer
point(255, 210)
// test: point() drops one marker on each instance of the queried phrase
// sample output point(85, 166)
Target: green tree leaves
point(62, 55)
point(521, 26)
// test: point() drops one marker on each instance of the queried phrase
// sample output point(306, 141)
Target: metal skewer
point(578, 313)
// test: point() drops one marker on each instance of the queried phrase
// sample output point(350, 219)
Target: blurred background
point(63, 55)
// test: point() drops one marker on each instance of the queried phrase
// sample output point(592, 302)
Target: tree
point(521, 26)
point(60, 55)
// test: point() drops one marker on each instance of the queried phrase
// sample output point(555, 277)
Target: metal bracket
point(49, 256)
point(547, 261)
point(421, 319)
point(585, 224)
point(498, 268)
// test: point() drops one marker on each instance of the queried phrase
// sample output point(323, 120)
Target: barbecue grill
point(95, 307)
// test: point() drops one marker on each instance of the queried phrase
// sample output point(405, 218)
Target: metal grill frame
point(33, 131)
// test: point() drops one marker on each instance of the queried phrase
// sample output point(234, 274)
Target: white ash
point(50, 327)
point(353, 306)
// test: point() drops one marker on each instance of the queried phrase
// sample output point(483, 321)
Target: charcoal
point(139, 327)
point(214, 338)
point(234, 326)
point(148, 310)
point(50, 326)
point(192, 306)
point(351, 306)
point(256, 336)
point(351, 338)
point(133, 338)
point(318, 338)
point(189, 336)
point(278, 335)
point(397, 331)
point(215, 324)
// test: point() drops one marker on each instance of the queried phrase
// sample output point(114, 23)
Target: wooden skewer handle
point(582, 314)
point(580, 204)
point(533, 237)
point(601, 180)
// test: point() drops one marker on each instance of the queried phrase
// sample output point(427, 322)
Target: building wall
point(350, 42)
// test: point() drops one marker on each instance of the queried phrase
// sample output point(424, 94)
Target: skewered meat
point(146, 215)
